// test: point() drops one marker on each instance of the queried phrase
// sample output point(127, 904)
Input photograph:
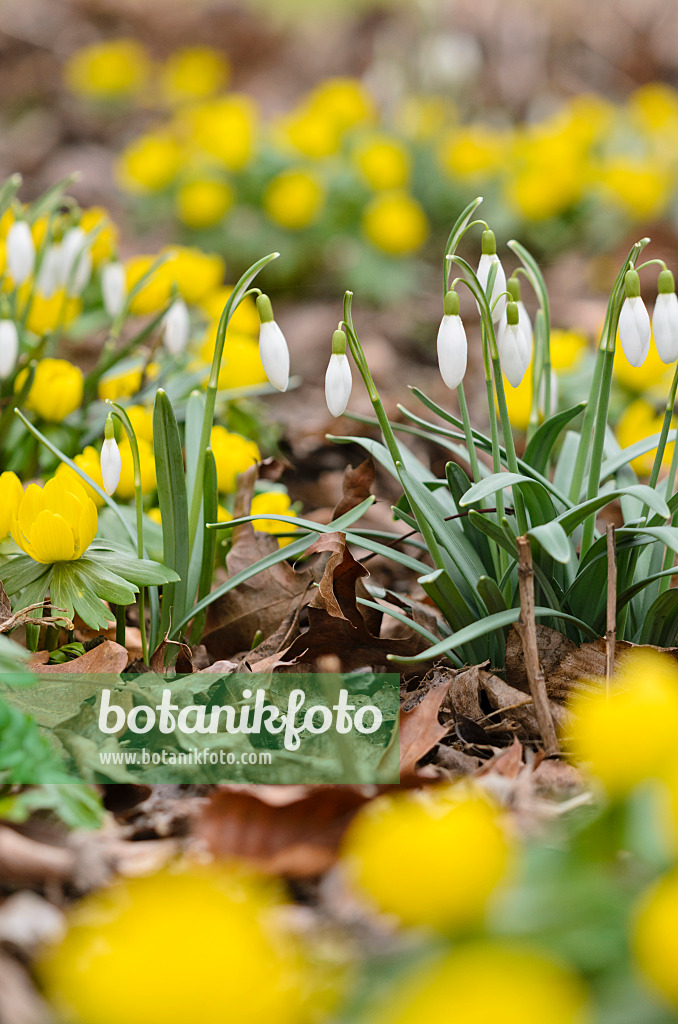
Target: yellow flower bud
point(55, 523)
point(233, 454)
point(56, 390)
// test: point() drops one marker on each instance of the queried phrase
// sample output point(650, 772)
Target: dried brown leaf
point(420, 729)
point(357, 486)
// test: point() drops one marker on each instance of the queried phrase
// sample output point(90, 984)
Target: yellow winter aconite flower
point(454, 831)
point(293, 199)
point(114, 70)
point(226, 920)
point(275, 503)
point(488, 981)
point(96, 221)
point(233, 454)
point(149, 163)
point(638, 421)
point(241, 365)
point(567, 351)
point(474, 151)
point(345, 101)
point(653, 374)
point(424, 117)
point(383, 162)
point(203, 202)
point(56, 390)
point(193, 73)
point(309, 132)
point(623, 740)
point(224, 128)
point(655, 939)
point(655, 107)
point(125, 488)
point(89, 462)
point(47, 313)
point(640, 187)
point(11, 493)
point(55, 523)
point(193, 272)
point(141, 418)
point(395, 223)
point(116, 385)
point(244, 320)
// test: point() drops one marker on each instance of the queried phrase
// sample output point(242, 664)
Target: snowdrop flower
point(50, 276)
point(634, 322)
point(452, 344)
point(338, 381)
point(9, 347)
point(76, 265)
point(20, 251)
point(665, 318)
point(113, 288)
point(489, 259)
point(513, 288)
point(110, 459)
point(273, 351)
point(512, 345)
point(176, 327)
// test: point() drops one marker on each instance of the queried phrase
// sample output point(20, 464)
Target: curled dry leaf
point(420, 729)
point(357, 486)
point(108, 657)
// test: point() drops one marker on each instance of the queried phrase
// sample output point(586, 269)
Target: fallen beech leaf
point(107, 657)
point(420, 729)
point(508, 762)
point(357, 486)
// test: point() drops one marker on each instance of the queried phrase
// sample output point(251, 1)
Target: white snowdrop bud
point(176, 326)
point(50, 275)
point(9, 347)
point(113, 288)
point(524, 322)
point(665, 318)
point(20, 251)
point(489, 259)
point(512, 345)
point(634, 322)
point(338, 380)
point(76, 260)
point(273, 351)
point(110, 459)
point(452, 345)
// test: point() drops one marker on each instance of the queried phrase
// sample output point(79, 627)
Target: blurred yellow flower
point(308, 131)
point(241, 365)
point(275, 503)
point(141, 418)
point(116, 70)
point(652, 375)
point(193, 73)
point(195, 274)
point(149, 163)
point(89, 462)
point(245, 319)
point(56, 390)
point(567, 349)
point(11, 493)
point(293, 199)
point(116, 385)
point(655, 941)
point(125, 489)
point(638, 421)
point(233, 454)
point(641, 188)
point(488, 981)
point(227, 920)
point(654, 107)
point(454, 831)
point(202, 202)
point(47, 313)
point(55, 523)
point(425, 117)
point(105, 243)
point(395, 223)
point(383, 162)
point(474, 151)
point(345, 101)
point(224, 128)
point(623, 739)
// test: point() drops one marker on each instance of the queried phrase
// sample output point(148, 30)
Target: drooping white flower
point(338, 383)
point(113, 288)
point(452, 344)
point(176, 327)
point(512, 346)
point(9, 347)
point(20, 251)
point(76, 266)
point(634, 322)
point(665, 318)
point(110, 459)
point(273, 350)
point(489, 259)
point(50, 275)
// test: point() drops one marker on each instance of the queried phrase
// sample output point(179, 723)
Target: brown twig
point(611, 632)
point(527, 630)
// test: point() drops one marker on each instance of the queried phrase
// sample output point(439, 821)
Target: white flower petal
point(113, 288)
point(452, 350)
point(9, 347)
point(511, 345)
point(338, 383)
point(275, 356)
point(634, 330)
point(177, 326)
point(110, 465)
point(483, 273)
point(20, 251)
point(665, 326)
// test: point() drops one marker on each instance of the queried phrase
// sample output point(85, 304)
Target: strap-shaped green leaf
point(573, 518)
point(539, 447)
point(172, 501)
point(553, 539)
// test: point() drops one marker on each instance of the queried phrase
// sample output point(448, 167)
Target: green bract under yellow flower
point(54, 523)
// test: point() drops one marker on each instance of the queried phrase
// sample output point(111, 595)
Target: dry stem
point(611, 632)
point(527, 630)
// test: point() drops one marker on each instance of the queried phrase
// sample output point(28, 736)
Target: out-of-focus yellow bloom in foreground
point(56, 390)
point(293, 199)
point(638, 421)
point(149, 163)
point(47, 313)
point(275, 503)
point(141, 418)
point(193, 73)
point(116, 385)
point(452, 832)
point(383, 162)
point(89, 462)
point(233, 454)
point(11, 493)
point(227, 921)
point(655, 938)
point(115, 70)
point(241, 365)
point(105, 241)
point(193, 272)
point(203, 202)
point(488, 981)
point(623, 740)
point(245, 319)
point(125, 488)
point(55, 523)
point(395, 223)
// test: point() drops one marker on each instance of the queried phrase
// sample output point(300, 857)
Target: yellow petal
point(87, 527)
point(51, 538)
point(32, 503)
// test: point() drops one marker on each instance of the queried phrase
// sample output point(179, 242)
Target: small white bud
point(76, 260)
point(110, 465)
point(489, 259)
point(512, 345)
point(665, 318)
point(9, 347)
point(273, 350)
point(338, 383)
point(634, 330)
point(20, 251)
point(113, 288)
point(50, 276)
point(452, 350)
point(177, 327)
